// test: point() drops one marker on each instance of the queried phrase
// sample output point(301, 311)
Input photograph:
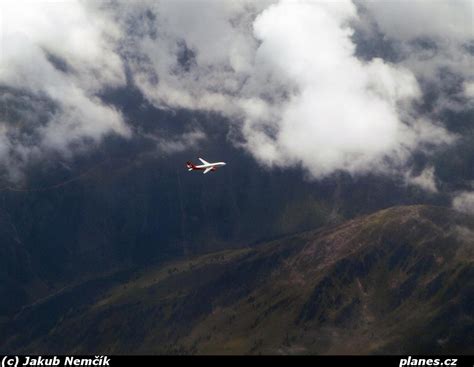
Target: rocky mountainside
point(129, 203)
point(400, 280)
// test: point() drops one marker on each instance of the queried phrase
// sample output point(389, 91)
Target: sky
point(327, 86)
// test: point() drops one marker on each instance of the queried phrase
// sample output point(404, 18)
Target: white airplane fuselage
point(205, 166)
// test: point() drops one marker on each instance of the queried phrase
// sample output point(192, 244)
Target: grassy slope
point(397, 281)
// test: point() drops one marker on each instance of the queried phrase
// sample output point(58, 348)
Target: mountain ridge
point(399, 280)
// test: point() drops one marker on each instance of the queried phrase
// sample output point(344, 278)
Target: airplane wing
point(203, 161)
point(207, 169)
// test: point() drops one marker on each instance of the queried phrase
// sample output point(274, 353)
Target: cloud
point(180, 60)
point(468, 88)
point(409, 20)
point(188, 139)
point(425, 180)
point(345, 114)
point(464, 202)
point(55, 57)
point(433, 40)
point(464, 233)
point(286, 74)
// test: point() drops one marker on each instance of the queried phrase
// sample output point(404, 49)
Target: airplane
point(205, 166)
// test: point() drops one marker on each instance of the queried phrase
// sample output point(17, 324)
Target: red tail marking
point(190, 165)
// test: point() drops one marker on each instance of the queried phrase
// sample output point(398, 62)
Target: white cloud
point(217, 33)
point(288, 72)
point(189, 139)
point(62, 53)
point(343, 113)
point(464, 202)
point(285, 72)
point(425, 180)
point(468, 89)
point(433, 39)
point(409, 20)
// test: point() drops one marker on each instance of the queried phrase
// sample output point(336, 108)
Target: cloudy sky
point(322, 85)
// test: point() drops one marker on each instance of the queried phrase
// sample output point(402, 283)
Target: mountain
point(128, 203)
point(400, 280)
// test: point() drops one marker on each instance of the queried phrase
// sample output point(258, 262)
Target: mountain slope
point(398, 281)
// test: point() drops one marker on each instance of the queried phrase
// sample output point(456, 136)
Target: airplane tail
point(190, 165)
